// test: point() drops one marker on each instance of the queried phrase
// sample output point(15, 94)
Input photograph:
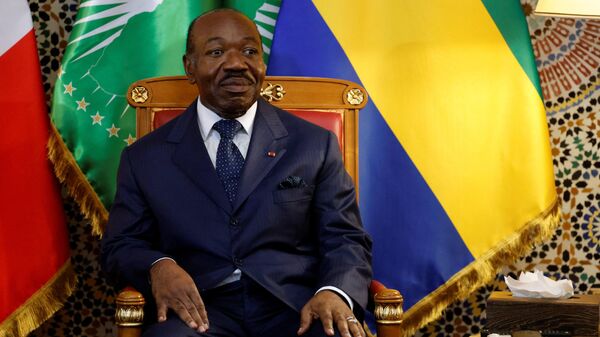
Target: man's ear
point(187, 66)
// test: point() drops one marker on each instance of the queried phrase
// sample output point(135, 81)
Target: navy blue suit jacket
point(292, 241)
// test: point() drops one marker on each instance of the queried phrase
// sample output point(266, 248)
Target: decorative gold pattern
point(355, 96)
point(130, 309)
point(139, 94)
point(130, 315)
point(388, 307)
point(388, 313)
point(273, 92)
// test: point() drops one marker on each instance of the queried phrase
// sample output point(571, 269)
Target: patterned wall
point(568, 60)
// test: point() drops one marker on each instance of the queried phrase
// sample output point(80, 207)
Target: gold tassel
point(41, 305)
point(482, 270)
point(78, 187)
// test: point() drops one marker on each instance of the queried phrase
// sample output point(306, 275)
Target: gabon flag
point(35, 270)
point(455, 168)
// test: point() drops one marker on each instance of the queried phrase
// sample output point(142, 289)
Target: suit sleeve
point(344, 246)
point(127, 249)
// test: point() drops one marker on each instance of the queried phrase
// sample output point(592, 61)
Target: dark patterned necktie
point(229, 159)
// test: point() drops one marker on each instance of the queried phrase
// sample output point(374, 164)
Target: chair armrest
point(388, 309)
point(129, 315)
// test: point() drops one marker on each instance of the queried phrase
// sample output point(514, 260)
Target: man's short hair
point(189, 45)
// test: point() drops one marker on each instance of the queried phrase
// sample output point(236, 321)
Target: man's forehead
point(217, 39)
point(225, 25)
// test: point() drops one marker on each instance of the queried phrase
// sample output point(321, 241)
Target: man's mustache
point(236, 77)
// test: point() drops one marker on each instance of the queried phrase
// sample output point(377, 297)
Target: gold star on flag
point(113, 131)
point(69, 88)
point(129, 140)
point(82, 105)
point(97, 118)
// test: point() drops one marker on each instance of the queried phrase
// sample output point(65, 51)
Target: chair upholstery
point(331, 103)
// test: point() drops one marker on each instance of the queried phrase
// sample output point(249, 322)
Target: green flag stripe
point(509, 17)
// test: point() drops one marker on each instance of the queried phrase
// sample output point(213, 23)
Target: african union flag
point(455, 167)
point(113, 44)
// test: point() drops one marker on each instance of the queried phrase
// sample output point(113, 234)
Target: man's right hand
point(173, 288)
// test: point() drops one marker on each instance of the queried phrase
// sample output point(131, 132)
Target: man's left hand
point(330, 309)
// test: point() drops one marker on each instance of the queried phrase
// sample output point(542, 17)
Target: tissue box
point(575, 316)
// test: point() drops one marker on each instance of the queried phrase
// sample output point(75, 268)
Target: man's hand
point(331, 309)
point(173, 288)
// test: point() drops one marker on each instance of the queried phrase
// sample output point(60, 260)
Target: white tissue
point(536, 285)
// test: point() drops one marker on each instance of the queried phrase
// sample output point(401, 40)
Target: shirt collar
point(207, 118)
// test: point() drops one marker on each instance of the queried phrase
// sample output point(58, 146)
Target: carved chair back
point(330, 103)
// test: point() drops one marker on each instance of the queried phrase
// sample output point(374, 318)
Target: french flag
point(35, 272)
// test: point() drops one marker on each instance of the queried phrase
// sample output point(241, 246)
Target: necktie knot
point(227, 128)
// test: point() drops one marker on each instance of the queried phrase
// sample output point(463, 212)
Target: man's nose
point(234, 60)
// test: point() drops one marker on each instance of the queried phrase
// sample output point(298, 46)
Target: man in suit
point(238, 217)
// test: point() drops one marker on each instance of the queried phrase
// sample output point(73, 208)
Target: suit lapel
point(267, 135)
point(192, 158)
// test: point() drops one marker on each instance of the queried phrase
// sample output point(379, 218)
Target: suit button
point(234, 222)
point(237, 262)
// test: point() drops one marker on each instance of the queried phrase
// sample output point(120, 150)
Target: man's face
point(226, 63)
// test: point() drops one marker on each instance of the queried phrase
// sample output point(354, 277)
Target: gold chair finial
point(139, 94)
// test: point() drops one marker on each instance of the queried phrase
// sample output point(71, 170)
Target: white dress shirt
point(206, 119)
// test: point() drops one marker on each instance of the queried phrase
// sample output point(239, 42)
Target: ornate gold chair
point(331, 103)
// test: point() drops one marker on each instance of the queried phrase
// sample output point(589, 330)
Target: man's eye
point(250, 51)
point(215, 52)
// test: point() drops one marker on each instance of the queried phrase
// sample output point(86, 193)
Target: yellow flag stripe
point(458, 101)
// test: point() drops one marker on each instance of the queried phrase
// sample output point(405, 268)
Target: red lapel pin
point(271, 154)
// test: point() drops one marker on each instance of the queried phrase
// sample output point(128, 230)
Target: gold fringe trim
point(41, 305)
point(76, 183)
point(482, 270)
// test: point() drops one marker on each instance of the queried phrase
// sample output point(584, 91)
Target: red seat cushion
point(331, 121)
point(376, 287)
point(162, 117)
